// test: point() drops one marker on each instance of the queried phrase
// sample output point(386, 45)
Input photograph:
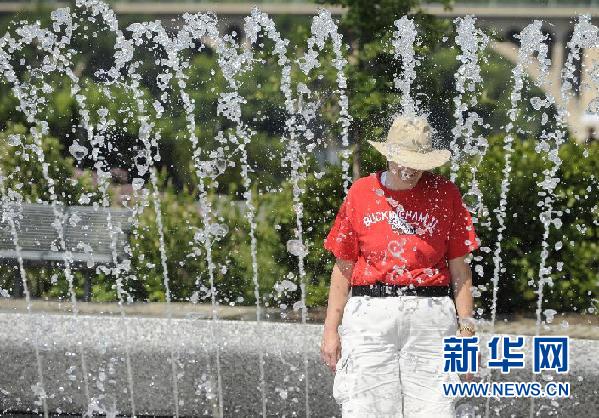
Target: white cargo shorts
point(391, 361)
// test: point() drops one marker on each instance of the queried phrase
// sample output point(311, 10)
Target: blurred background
point(366, 27)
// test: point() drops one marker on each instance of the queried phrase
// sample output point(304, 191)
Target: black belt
point(383, 290)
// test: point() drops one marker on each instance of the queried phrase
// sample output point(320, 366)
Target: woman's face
point(404, 173)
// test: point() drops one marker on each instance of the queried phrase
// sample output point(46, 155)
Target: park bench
point(86, 234)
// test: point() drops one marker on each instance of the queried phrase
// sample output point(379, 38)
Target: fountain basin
point(284, 347)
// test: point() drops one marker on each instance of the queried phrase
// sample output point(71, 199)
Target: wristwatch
point(469, 328)
point(466, 324)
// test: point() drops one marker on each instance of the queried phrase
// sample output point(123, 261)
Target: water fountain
point(167, 365)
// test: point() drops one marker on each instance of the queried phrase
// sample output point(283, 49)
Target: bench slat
point(36, 233)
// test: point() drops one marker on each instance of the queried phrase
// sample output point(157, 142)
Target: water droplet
point(137, 183)
point(218, 230)
point(78, 151)
point(284, 286)
point(14, 140)
point(549, 314)
point(465, 410)
point(296, 248)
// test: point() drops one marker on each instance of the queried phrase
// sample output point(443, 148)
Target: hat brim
point(413, 159)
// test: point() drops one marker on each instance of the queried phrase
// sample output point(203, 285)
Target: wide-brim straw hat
point(409, 144)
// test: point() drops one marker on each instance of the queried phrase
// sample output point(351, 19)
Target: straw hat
point(409, 144)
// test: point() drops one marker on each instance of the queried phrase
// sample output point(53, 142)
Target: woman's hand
point(468, 377)
point(330, 348)
point(461, 280)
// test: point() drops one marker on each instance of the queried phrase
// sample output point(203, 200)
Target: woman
point(401, 240)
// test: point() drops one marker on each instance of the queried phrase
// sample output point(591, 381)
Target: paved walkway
point(574, 325)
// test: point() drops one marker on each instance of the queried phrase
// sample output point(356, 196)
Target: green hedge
point(573, 288)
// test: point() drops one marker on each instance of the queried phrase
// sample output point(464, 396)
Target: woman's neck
point(395, 182)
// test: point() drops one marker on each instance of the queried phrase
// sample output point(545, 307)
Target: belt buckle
point(386, 289)
point(400, 290)
point(378, 289)
point(390, 290)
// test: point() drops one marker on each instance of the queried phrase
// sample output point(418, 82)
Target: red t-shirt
point(402, 236)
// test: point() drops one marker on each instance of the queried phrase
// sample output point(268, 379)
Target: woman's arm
point(461, 280)
point(340, 283)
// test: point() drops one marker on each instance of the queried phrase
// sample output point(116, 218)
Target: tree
point(369, 27)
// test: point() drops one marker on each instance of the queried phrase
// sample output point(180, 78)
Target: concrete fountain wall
point(150, 340)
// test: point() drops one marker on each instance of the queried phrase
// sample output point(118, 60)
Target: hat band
point(394, 148)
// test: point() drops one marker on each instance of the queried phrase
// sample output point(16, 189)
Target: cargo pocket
point(343, 379)
point(451, 316)
point(451, 378)
point(454, 377)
